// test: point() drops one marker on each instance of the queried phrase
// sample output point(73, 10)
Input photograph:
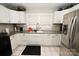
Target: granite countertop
point(40, 32)
point(12, 33)
point(44, 32)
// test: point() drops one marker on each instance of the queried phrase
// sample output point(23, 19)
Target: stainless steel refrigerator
point(70, 33)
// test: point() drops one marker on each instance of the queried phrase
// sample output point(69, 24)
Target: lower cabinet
point(22, 38)
point(35, 39)
point(14, 41)
point(43, 39)
point(52, 39)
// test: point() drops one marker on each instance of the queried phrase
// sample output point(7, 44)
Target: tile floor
point(45, 51)
point(65, 52)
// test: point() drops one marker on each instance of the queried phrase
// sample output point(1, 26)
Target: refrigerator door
point(72, 33)
point(75, 41)
point(67, 23)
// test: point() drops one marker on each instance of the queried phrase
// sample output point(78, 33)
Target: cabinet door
point(22, 17)
point(21, 39)
point(58, 17)
point(14, 16)
point(47, 39)
point(4, 15)
point(52, 39)
point(35, 39)
point(40, 39)
point(14, 42)
point(27, 39)
point(32, 39)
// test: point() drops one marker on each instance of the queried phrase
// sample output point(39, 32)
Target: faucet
point(37, 27)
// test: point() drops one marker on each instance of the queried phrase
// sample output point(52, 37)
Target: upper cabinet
point(22, 17)
point(58, 17)
point(17, 16)
point(11, 16)
point(14, 16)
point(4, 14)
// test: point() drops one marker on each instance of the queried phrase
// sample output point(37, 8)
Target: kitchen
point(35, 28)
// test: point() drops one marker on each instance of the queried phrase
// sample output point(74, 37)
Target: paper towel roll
point(7, 30)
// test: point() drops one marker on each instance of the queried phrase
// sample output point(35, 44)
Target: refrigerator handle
point(74, 21)
point(72, 33)
point(70, 29)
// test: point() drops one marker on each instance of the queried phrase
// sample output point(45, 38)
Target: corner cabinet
point(4, 14)
point(58, 17)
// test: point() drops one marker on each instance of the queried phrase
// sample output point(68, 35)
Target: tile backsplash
point(41, 27)
point(4, 26)
point(46, 27)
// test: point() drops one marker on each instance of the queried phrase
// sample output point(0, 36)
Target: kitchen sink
point(40, 31)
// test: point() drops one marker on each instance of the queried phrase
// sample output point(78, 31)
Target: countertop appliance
point(21, 29)
point(70, 36)
point(5, 45)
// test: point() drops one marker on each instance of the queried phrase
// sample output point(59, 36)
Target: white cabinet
point(58, 17)
point(14, 41)
point(30, 39)
point(35, 39)
point(17, 16)
point(22, 17)
point(44, 39)
point(52, 39)
point(14, 16)
point(4, 15)
point(11, 16)
point(23, 38)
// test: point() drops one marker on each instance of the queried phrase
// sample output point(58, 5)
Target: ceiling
point(44, 5)
point(37, 6)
